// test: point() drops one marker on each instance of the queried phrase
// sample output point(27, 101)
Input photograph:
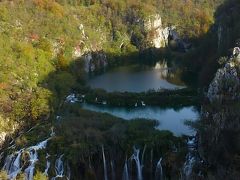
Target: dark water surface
point(138, 78)
point(169, 119)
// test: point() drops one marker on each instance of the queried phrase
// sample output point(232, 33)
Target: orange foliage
point(3, 85)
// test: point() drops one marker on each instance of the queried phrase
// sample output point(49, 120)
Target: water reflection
point(138, 78)
point(169, 119)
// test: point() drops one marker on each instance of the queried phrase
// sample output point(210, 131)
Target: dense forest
point(38, 39)
point(42, 46)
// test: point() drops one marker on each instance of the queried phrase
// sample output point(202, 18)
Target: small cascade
point(8, 162)
point(33, 155)
point(47, 165)
point(190, 158)
point(59, 167)
point(12, 163)
point(104, 164)
point(29, 171)
point(135, 157)
point(159, 170)
point(125, 171)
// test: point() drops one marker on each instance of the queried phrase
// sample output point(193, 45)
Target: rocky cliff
point(153, 32)
point(157, 34)
point(219, 127)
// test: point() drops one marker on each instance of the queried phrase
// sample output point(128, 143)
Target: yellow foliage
point(50, 5)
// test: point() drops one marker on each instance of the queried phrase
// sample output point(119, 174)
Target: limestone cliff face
point(93, 56)
point(95, 61)
point(226, 84)
point(219, 131)
point(156, 33)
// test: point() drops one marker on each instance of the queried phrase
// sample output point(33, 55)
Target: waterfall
point(33, 155)
point(30, 169)
point(159, 171)
point(125, 171)
point(135, 157)
point(142, 159)
point(104, 164)
point(12, 163)
point(59, 167)
point(190, 158)
point(47, 165)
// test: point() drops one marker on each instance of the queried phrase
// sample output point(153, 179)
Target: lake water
point(138, 78)
point(169, 119)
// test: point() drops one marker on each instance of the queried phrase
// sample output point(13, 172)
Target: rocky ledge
point(226, 84)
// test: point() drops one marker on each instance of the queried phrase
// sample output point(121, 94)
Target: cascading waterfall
point(59, 167)
point(12, 163)
point(159, 170)
point(190, 158)
point(135, 157)
point(104, 164)
point(125, 171)
point(47, 165)
point(29, 171)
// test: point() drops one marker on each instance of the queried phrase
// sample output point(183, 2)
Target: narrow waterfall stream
point(59, 167)
point(192, 158)
point(125, 171)
point(135, 157)
point(104, 164)
point(159, 170)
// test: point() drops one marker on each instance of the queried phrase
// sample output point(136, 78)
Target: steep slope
point(219, 130)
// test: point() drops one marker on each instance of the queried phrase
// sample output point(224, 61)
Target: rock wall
point(95, 61)
point(219, 127)
point(156, 33)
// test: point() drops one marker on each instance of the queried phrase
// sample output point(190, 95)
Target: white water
point(159, 171)
point(13, 164)
point(104, 164)
point(190, 158)
point(125, 171)
point(135, 157)
point(47, 165)
point(59, 167)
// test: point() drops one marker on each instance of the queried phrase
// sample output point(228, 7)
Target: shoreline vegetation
point(42, 46)
point(162, 98)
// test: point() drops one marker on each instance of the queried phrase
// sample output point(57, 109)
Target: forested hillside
point(39, 38)
point(46, 44)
